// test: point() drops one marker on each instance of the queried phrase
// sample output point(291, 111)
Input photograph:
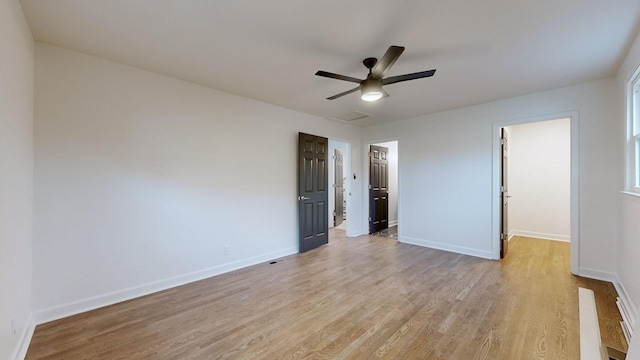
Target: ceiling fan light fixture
point(371, 90)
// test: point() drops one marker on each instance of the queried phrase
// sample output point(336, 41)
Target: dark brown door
point(378, 188)
point(313, 212)
point(504, 194)
point(339, 188)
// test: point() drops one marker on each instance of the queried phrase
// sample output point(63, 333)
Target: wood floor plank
point(368, 297)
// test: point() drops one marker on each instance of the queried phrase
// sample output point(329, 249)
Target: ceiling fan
point(371, 87)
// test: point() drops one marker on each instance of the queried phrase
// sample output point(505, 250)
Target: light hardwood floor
point(357, 298)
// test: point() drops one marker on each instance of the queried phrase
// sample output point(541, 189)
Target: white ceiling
point(270, 50)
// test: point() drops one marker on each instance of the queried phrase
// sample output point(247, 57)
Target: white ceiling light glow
point(371, 90)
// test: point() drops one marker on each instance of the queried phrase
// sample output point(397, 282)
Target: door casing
point(352, 226)
point(496, 201)
point(504, 190)
point(365, 183)
point(378, 188)
point(338, 188)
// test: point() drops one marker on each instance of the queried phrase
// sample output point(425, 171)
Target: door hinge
point(501, 141)
point(501, 236)
point(369, 218)
point(369, 186)
point(501, 188)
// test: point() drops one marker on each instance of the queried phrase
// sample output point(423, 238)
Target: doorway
point(543, 181)
point(390, 187)
point(339, 191)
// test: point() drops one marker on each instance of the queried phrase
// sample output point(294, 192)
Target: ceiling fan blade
point(343, 93)
point(407, 77)
point(388, 59)
point(338, 76)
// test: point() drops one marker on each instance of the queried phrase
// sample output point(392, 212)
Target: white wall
point(141, 180)
point(16, 179)
point(629, 247)
point(539, 179)
point(446, 172)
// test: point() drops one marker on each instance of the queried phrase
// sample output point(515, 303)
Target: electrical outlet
point(226, 249)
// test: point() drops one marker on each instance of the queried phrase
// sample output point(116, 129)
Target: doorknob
point(301, 197)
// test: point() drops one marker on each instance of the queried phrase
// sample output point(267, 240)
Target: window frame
point(633, 133)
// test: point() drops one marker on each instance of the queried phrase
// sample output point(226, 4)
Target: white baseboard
point(596, 274)
point(539, 235)
point(623, 294)
point(354, 233)
point(393, 223)
point(25, 339)
point(96, 302)
point(446, 247)
point(625, 324)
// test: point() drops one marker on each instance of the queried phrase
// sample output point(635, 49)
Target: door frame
point(496, 203)
point(334, 189)
point(348, 184)
point(504, 192)
point(365, 183)
point(379, 191)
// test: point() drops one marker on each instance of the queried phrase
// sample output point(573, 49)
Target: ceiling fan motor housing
point(370, 63)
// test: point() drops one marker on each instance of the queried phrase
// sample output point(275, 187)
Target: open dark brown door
point(339, 188)
point(313, 212)
point(378, 188)
point(504, 191)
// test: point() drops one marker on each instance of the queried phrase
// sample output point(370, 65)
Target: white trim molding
point(628, 310)
point(84, 305)
point(25, 340)
point(539, 235)
point(632, 99)
point(446, 247)
point(595, 274)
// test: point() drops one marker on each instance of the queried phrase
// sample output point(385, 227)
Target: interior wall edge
point(25, 340)
point(355, 233)
point(446, 247)
point(596, 274)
